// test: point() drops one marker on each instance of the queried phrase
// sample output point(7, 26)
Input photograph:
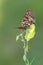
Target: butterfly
point(27, 20)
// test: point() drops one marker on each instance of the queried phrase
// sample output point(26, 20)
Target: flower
point(30, 33)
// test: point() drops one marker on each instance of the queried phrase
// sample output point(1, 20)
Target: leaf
point(24, 58)
point(30, 33)
point(17, 37)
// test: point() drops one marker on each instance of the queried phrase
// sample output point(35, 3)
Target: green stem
point(20, 36)
point(25, 51)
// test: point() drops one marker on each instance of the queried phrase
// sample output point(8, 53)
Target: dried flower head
point(27, 20)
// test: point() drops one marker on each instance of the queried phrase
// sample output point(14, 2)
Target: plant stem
point(25, 51)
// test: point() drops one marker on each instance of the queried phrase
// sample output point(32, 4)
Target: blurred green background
point(11, 14)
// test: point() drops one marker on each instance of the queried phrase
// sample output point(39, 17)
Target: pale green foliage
point(25, 37)
point(30, 33)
